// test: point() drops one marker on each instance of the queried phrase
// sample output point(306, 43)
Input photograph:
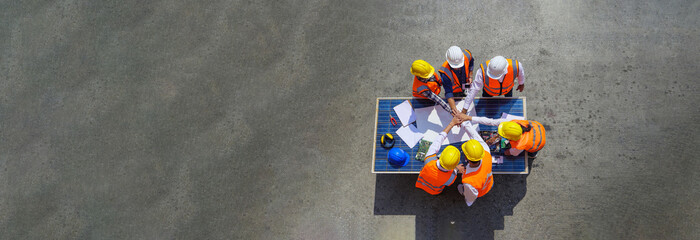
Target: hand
point(455, 111)
point(456, 121)
point(521, 87)
point(461, 169)
point(464, 117)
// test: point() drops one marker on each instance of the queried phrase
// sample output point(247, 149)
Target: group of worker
point(495, 77)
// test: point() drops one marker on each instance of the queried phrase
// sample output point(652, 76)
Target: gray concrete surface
point(254, 119)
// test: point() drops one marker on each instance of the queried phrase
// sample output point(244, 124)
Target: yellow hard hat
point(473, 150)
point(449, 158)
point(422, 69)
point(510, 130)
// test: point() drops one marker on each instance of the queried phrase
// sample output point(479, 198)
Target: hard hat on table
point(398, 157)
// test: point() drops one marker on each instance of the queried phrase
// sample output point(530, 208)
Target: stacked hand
point(457, 120)
point(463, 117)
point(461, 169)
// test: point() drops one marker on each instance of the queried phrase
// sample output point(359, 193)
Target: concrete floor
point(254, 119)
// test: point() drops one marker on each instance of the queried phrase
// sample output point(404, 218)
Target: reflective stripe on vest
point(433, 86)
point(452, 78)
point(442, 186)
point(427, 184)
point(511, 80)
point(452, 178)
point(536, 136)
point(434, 188)
point(531, 143)
point(487, 181)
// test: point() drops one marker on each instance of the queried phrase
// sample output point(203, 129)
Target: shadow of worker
point(447, 216)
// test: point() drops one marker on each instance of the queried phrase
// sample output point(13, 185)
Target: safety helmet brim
point(461, 64)
point(492, 76)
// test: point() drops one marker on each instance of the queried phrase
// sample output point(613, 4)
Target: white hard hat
point(455, 57)
point(497, 67)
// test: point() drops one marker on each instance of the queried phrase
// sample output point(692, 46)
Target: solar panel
point(485, 107)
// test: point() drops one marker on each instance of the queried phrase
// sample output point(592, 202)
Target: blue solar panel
point(485, 107)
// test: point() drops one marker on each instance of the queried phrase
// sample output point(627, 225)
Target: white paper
point(509, 117)
point(432, 120)
point(426, 123)
point(410, 135)
point(405, 113)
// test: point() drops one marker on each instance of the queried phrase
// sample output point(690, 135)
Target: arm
point(487, 121)
point(471, 65)
point(447, 85)
point(453, 106)
point(435, 146)
point(521, 77)
point(513, 151)
point(476, 86)
point(481, 120)
point(471, 131)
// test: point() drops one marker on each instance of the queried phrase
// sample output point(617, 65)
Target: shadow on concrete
point(447, 216)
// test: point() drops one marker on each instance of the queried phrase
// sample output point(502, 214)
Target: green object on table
point(423, 147)
point(505, 144)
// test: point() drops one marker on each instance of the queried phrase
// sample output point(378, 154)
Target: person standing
point(496, 77)
point(427, 83)
point(477, 177)
point(456, 74)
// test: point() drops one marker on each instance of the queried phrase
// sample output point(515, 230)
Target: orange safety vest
point(531, 141)
point(481, 179)
point(447, 70)
point(434, 86)
point(495, 88)
point(433, 180)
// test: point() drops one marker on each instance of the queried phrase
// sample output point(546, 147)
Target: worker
point(456, 74)
point(477, 178)
point(427, 83)
point(438, 173)
point(499, 79)
point(523, 135)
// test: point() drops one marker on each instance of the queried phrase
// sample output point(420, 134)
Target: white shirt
point(478, 84)
point(470, 193)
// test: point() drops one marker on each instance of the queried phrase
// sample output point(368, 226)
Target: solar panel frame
point(488, 107)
